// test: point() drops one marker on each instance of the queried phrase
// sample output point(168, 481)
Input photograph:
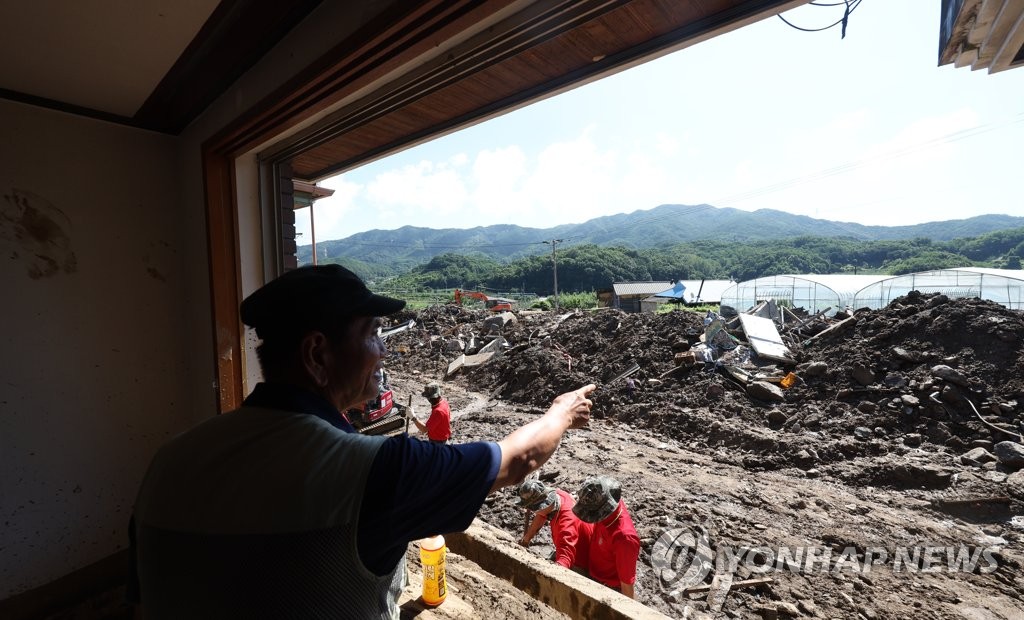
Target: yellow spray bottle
point(432, 559)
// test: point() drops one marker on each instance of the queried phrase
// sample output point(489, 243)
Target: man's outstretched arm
point(530, 446)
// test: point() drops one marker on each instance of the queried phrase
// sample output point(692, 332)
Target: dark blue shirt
point(415, 488)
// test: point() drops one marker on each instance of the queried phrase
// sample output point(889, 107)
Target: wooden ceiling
point(545, 48)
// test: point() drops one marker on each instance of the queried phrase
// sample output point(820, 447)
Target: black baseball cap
point(309, 298)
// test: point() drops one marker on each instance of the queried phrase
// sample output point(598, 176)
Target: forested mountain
point(590, 267)
point(396, 251)
point(646, 245)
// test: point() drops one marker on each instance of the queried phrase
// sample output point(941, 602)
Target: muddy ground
point(900, 436)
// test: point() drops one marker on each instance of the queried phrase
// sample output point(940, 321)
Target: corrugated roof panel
point(639, 288)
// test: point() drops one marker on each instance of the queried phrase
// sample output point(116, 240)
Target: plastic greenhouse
point(1004, 286)
point(813, 293)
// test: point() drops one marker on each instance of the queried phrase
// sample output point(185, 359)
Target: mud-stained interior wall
point(107, 341)
point(93, 379)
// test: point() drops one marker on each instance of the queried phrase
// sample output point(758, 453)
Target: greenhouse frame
point(1003, 286)
point(812, 292)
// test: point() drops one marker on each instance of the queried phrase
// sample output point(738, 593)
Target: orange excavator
point(494, 304)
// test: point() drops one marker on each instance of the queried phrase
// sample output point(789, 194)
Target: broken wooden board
point(764, 338)
point(833, 329)
point(456, 364)
point(749, 583)
point(479, 358)
point(468, 361)
point(720, 585)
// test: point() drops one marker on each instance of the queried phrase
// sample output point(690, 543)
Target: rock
point(939, 434)
point(863, 433)
point(949, 374)
point(912, 439)
point(995, 476)
point(862, 374)
point(455, 344)
point(910, 401)
point(981, 443)
point(1010, 454)
point(816, 369)
point(866, 406)
point(767, 612)
point(714, 392)
point(788, 609)
point(977, 457)
point(905, 355)
point(804, 459)
point(1015, 485)
point(951, 394)
point(776, 417)
point(808, 607)
point(762, 390)
point(895, 380)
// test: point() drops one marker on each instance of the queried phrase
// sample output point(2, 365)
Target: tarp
point(676, 292)
point(696, 291)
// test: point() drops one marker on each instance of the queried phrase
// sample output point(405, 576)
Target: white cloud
point(666, 145)
point(497, 181)
point(572, 182)
point(437, 188)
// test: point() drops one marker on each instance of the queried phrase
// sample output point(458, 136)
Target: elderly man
point(279, 509)
point(439, 425)
point(614, 544)
point(570, 536)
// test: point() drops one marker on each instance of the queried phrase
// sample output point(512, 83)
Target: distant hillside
point(396, 251)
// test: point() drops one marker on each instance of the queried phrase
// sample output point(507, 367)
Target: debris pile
point(876, 427)
point(927, 374)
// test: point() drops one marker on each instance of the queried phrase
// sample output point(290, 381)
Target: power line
point(850, 7)
point(554, 267)
point(955, 136)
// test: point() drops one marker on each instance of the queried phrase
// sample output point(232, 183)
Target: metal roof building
point(627, 296)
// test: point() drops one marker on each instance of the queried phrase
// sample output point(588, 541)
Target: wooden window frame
point(400, 34)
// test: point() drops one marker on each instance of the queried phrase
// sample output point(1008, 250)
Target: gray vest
point(253, 514)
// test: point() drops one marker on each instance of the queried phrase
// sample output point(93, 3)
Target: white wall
point(106, 356)
point(93, 374)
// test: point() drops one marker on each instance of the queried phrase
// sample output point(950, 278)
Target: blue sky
point(866, 129)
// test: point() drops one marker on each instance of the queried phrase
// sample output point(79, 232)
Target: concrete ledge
point(562, 589)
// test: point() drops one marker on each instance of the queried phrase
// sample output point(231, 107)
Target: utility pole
point(554, 267)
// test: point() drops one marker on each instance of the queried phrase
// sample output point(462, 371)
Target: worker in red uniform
point(614, 544)
point(570, 536)
point(439, 425)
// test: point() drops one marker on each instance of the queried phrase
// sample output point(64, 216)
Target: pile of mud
point(926, 375)
point(891, 434)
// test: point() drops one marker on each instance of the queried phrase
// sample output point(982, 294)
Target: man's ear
point(315, 353)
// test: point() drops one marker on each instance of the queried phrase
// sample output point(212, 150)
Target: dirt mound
point(904, 379)
point(889, 436)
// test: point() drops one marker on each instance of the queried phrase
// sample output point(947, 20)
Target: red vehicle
point(494, 304)
point(380, 416)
